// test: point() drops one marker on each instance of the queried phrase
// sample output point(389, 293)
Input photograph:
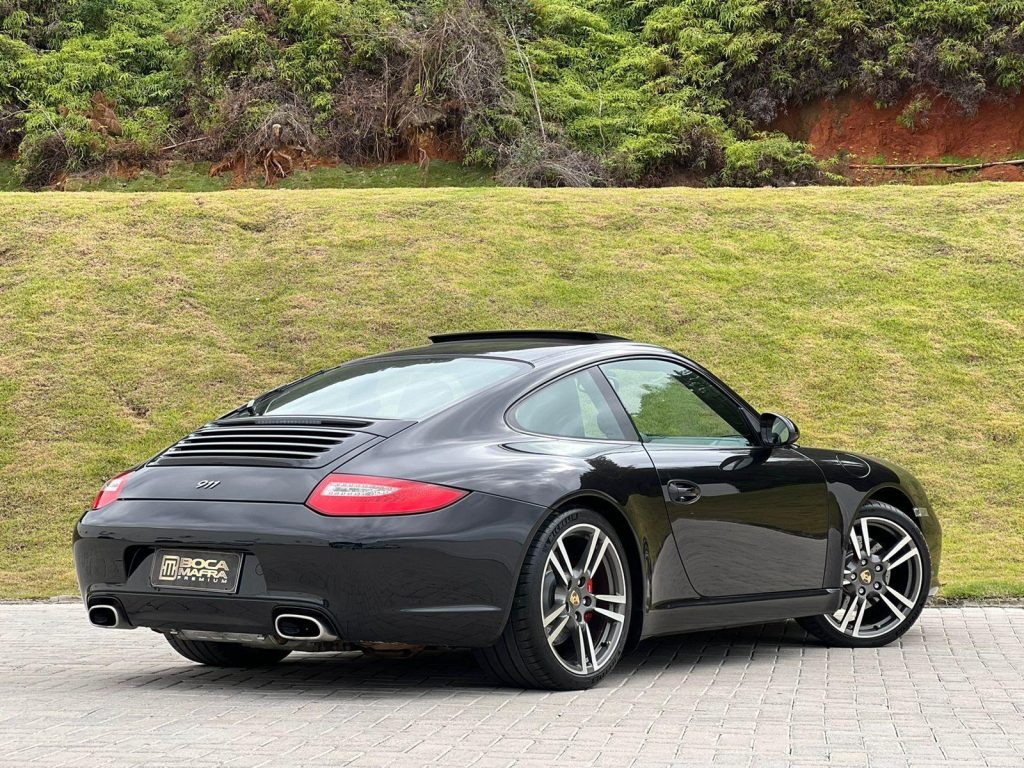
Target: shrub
point(545, 163)
point(770, 161)
point(54, 145)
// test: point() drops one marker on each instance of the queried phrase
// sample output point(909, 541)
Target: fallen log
point(948, 167)
point(902, 166)
point(980, 166)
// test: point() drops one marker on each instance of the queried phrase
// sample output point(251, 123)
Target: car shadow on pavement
point(442, 672)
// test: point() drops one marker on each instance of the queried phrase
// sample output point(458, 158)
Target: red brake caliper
point(590, 588)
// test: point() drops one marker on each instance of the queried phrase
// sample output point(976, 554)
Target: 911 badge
point(205, 571)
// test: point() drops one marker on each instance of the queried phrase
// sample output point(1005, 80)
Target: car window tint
point(573, 406)
point(395, 388)
point(672, 404)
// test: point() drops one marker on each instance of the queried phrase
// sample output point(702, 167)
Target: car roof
point(529, 346)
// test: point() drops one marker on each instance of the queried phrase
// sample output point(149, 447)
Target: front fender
point(853, 479)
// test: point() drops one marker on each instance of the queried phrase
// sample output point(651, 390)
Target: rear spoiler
point(579, 336)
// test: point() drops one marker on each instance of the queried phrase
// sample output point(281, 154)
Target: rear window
point(396, 388)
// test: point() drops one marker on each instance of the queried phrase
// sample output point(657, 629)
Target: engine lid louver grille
point(266, 441)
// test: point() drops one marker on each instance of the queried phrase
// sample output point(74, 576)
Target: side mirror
point(777, 430)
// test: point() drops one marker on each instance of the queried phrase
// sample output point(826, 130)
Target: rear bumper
point(441, 578)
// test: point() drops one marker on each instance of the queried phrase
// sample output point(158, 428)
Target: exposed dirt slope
point(854, 125)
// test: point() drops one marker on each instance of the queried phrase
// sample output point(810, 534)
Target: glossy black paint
point(443, 578)
point(761, 541)
point(759, 525)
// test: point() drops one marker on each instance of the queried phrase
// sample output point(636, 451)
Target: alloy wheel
point(883, 576)
point(583, 600)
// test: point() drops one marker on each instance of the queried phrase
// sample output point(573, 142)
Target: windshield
point(395, 388)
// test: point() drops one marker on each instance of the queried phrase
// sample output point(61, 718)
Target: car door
point(585, 429)
point(747, 519)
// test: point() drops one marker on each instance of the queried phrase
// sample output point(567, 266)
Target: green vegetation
point(184, 176)
point(195, 177)
point(548, 92)
point(8, 176)
point(758, 163)
point(438, 174)
point(883, 320)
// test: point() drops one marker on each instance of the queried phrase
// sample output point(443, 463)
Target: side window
point(573, 406)
point(672, 404)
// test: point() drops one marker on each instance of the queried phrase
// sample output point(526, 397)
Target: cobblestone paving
point(950, 693)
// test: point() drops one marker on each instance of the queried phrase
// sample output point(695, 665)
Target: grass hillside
point(884, 320)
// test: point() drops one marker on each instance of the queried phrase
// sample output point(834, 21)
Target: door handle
point(683, 491)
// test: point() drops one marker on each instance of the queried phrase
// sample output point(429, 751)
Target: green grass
point(883, 320)
point(179, 177)
point(195, 177)
point(439, 173)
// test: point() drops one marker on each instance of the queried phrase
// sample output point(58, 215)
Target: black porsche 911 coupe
point(547, 498)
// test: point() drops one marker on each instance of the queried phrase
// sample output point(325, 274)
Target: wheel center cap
point(574, 599)
point(865, 576)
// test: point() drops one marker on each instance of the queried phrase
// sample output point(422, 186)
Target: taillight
point(111, 490)
point(359, 495)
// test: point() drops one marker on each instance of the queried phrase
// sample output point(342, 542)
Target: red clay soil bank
point(854, 125)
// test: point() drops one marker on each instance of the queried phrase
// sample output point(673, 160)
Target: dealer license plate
point(192, 569)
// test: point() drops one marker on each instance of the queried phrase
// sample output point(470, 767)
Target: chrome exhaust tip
point(108, 617)
point(299, 626)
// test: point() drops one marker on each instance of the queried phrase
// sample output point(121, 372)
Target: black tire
point(523, 657)
point(225, 654)
point(892, 522)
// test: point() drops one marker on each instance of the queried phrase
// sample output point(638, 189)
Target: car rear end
point(254, 529)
